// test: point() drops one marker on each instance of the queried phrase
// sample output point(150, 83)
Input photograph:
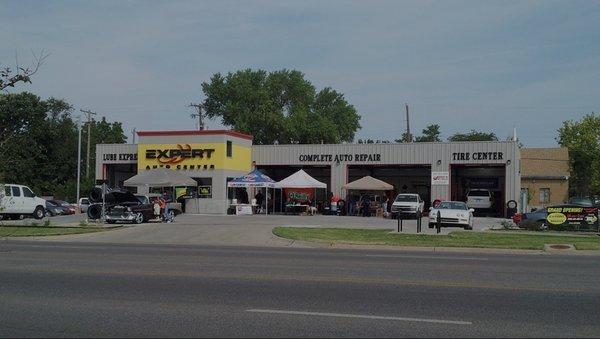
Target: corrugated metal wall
point(438, 156)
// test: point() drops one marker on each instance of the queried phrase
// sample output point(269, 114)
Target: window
point(27, 193)
point(544, 195)
point(229, 149)
point(204, 188)
point(16, 191)
point(7, 191)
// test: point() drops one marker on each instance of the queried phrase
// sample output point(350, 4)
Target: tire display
point(94, 211)
point(96, 195)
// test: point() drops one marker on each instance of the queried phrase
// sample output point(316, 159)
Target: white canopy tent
point(160, 177)
point(300, 179)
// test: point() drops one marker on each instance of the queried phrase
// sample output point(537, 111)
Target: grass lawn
point(28, 231)
point(454, 239)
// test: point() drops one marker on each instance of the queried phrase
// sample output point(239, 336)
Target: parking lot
point(253, 230)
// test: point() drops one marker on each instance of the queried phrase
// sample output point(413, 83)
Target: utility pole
point(198, 115)
point(78, 157)
point(408, 135)
point(89, 114)
point(133, 135)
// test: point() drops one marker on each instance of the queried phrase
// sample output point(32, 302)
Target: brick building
point(545, 176)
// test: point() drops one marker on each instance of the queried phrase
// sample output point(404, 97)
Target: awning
point(301, 179)
point(368, 183)
point(160, 177)
point(253, 179)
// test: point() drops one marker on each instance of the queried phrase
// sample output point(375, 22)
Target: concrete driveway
point(254, 230)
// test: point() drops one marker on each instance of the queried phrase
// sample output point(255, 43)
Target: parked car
point(53, 208)
point(537, 217)
point(408, 203)
point(581, 201)
point(123, 206)
point(479, 199)
point(452, 214)
point(83, 204)
point(19, 200)
point(68, 208)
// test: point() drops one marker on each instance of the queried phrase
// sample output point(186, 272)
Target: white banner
point(440, 178)
point(243, 209)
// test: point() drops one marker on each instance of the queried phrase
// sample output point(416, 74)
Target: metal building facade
point(439, 156)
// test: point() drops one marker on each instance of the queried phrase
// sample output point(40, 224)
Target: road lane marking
point(361, 316)
point(423, 257)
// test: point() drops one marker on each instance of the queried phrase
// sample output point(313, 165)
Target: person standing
point(259, 199)
point(351, 204)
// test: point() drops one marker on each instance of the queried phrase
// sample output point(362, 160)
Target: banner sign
point(440, 178)
point(299, 194)
point(243, 210)
point(572, 218)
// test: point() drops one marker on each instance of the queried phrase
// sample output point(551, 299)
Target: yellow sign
point(556, 218)
point(194, 157)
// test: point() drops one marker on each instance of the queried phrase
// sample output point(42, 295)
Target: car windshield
point(51, 203)
point(479, 193)
point(142, 199)
point(581, 201)
point(406, 198)
point(452, 205)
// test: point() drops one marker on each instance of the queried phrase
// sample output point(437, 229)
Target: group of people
point(358, 206)
point(161, 208)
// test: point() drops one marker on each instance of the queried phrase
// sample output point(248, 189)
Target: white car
point(407, 203)
point(84, 203)
point(452, 214)
point(18, 200)
point(479, 199)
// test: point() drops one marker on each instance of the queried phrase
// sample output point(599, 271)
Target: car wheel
point(39, 212)
point(139, 218)
point(430, 225)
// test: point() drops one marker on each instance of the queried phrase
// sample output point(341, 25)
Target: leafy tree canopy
point(582, 138)
point(280, 106)
point(38, 143)
point(474, 135)
point(431, 133)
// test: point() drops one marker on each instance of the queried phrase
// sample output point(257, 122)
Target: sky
point(484, 65)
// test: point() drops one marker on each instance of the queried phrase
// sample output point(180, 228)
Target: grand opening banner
point(572, 218)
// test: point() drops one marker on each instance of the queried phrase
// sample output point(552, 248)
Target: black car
point(122, 206)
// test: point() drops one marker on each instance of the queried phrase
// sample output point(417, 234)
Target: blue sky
point(486, 65)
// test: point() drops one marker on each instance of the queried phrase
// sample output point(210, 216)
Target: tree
point(431, 133)
point(474, 135)
point(582, 138)
point(38, 143)
point(280, 106)
point(10, 77)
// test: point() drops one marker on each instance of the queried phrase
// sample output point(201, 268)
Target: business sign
point(300, 195)
point(440, 178)
point(177, 156)
point(572, 218)
point(349, 157)
point(119, 157)
point(477, 156)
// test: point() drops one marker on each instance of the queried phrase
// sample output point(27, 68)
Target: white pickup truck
point(18, 200)
point(407, 204)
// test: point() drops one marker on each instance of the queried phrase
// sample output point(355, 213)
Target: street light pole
point(78, 157)
point(89, 122)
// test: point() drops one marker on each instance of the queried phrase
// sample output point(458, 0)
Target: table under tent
point(254, 180)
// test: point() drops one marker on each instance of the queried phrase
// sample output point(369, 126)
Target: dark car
point(535, 219)
point(123, 206)
point(54, 209)
point(581, 201)
point(69, 209)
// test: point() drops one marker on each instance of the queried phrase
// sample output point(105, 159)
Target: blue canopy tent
point(254, 179)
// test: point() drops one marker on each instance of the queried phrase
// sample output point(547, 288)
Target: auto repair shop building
point(435, 170)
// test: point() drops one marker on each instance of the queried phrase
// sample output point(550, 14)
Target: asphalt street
point(75, 290)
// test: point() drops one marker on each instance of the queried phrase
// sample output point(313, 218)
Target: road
point(85, 289)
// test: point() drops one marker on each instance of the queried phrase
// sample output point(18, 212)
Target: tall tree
point(431, 133)
point(38, 143)
point(582, 138)
point(474, 135)
point(280, 106)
